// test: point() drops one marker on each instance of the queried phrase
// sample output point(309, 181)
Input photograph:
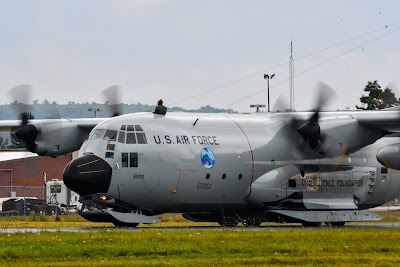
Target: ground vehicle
point(56, 199)
point(30, 206)
point(57, 194)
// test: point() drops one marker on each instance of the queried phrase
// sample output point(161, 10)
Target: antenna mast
point(291, 77)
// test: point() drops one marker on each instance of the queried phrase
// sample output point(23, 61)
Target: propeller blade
point(21, 95)
point(112, 97)
point(281, 104)
point(28, 132)
point(310, 129)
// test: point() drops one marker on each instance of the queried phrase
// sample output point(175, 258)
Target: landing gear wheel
point(311, 224)
point(251, 222)
point(228, 222)
point(335, 224)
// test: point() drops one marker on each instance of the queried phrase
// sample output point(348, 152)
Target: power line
point(283, 64)
point(314, 67)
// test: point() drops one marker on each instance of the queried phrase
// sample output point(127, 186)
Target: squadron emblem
point(207, 158)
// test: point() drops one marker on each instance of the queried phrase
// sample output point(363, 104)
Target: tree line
point(376, 98)
point(47, 109)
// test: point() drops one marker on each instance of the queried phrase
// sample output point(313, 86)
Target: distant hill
point(80, 110)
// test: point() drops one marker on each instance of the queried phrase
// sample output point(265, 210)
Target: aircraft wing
point(52, 136)
point(388, 120)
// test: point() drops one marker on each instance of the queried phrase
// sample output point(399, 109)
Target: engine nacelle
point(273, 186)
point(389, 156)
point(51, 137)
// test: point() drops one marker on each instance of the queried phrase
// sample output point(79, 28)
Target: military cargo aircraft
point(306, 167)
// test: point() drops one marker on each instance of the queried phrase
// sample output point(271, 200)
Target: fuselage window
point(130, 138)
point(121, 137)
point(124, 157)
point(384, 170)
point(133, 159)
point(110, 135)
point(98, 134)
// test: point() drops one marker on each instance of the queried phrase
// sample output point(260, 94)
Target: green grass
point(150, 245)
point(155, 247)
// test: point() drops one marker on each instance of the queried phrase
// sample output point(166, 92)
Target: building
point(25, 176)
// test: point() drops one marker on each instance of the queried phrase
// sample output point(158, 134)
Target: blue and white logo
point(207, 158)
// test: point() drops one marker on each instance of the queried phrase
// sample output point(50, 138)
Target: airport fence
point(37, 200)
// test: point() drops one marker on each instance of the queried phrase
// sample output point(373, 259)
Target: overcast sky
point(71, 50)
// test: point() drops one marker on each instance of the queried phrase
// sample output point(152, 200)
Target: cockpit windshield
point(98, 134)
point(132, 134)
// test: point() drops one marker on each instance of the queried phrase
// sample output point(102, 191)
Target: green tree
point(378, 99)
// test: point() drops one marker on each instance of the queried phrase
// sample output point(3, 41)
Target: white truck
point(59, 195)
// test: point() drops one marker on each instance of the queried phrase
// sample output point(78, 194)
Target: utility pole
point(291, 78)
point(268, 77)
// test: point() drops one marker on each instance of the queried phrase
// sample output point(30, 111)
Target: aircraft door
point(379, 186)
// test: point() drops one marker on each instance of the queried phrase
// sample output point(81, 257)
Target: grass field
point(155, 247)
point(195, 247)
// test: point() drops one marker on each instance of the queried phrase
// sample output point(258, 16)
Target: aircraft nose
point(87, 175)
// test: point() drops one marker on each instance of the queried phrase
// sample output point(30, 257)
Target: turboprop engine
point(389, 156)
point(51, 137)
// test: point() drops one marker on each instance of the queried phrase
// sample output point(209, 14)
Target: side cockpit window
point(110, 135)
point(132, 134)
point(98, 134)
point(121, 137)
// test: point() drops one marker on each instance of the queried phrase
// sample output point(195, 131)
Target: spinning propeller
point(21, 96)
point(310, 129)
point(112, 97)
point(51, 136)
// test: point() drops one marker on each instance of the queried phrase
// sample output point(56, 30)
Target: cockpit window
point(141, 138)
point(110, 135)
point(134, 135)
point(121, 137)
point(130, 138)
point(98, 134)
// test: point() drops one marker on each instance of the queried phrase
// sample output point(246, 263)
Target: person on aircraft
point(160, 109)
